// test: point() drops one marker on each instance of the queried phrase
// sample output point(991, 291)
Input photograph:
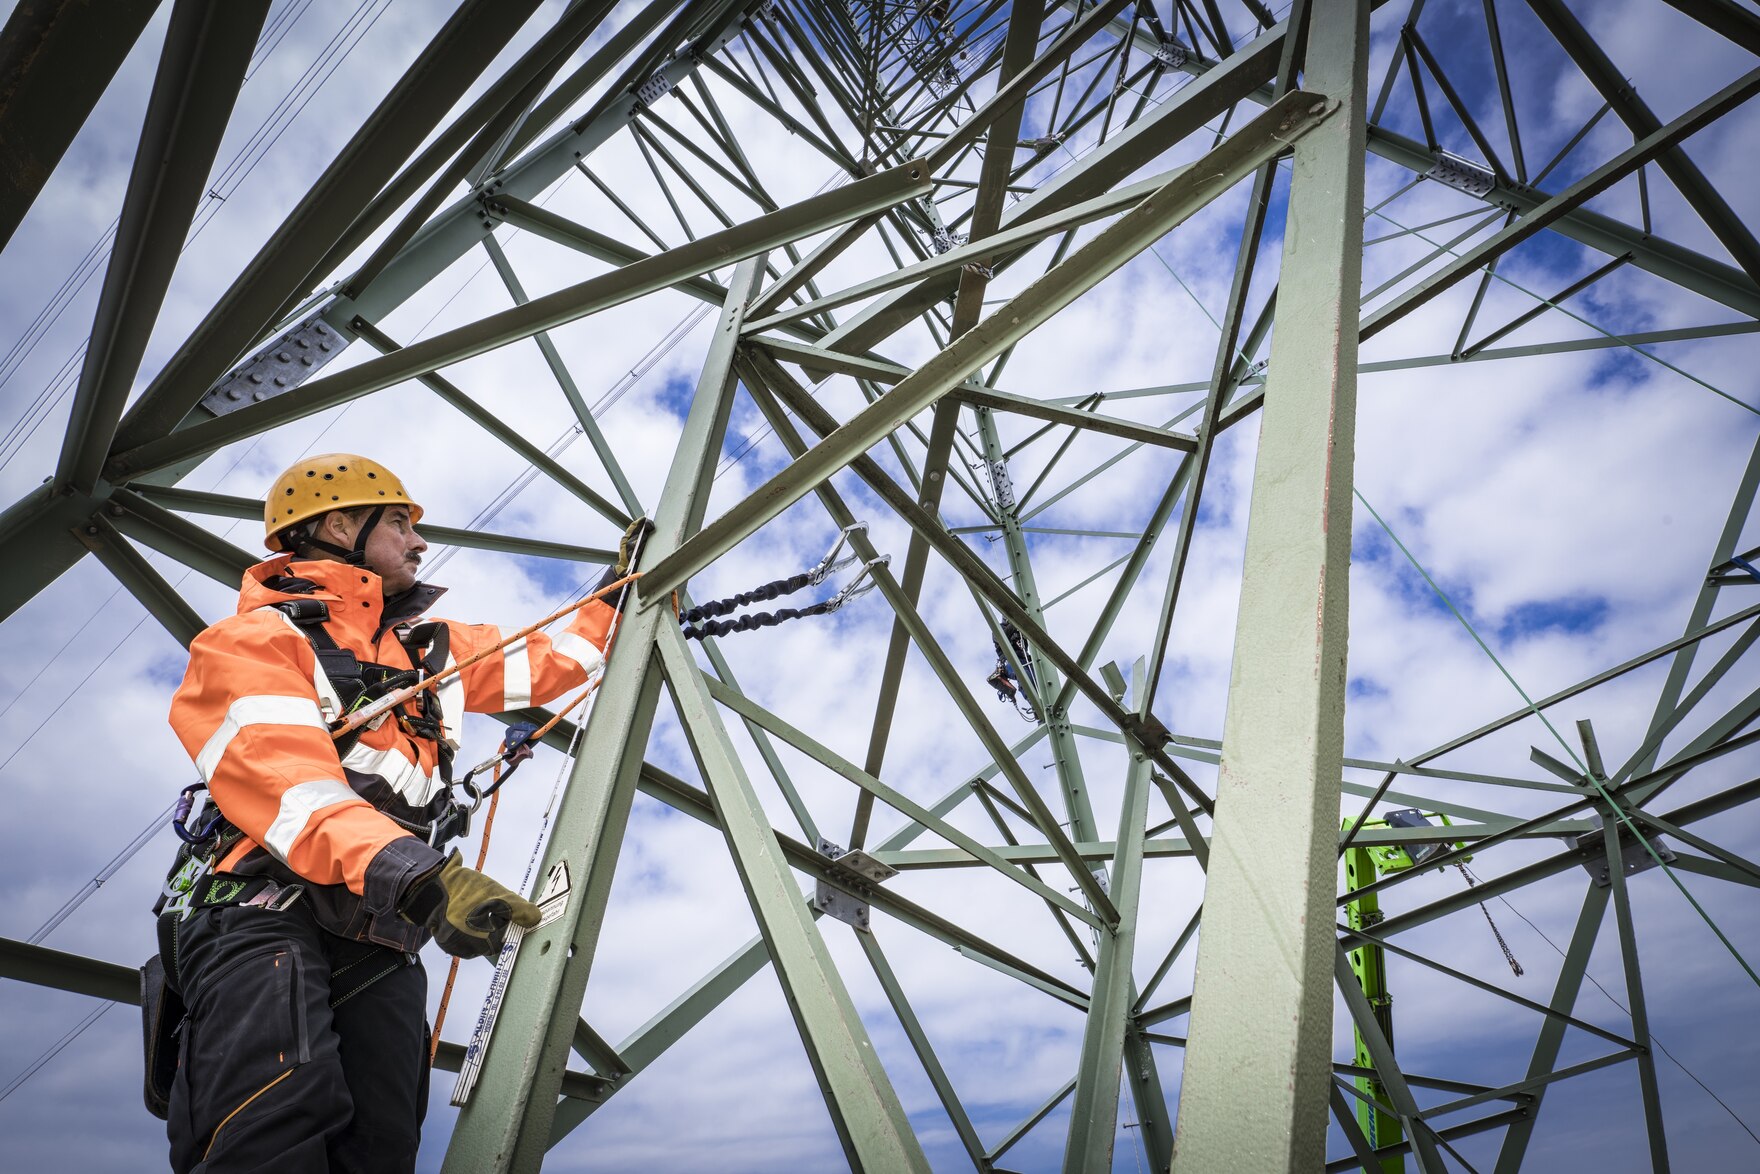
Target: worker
point(305, 1042)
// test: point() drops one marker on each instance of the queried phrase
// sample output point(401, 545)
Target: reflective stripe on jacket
point(252, 712)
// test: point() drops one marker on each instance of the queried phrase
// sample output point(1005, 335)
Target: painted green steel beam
point(1352, 938)
point(1018, 51)
point(650, 1041)
point(899, 802)
point(1021, 405)
point(1726, 18)
point(1661, 650)
point(1227, 368)
point(565, 381)
point(1551, 1036)
point(1253, 1093)
point(828, 250)
point(1032, 1119)
point(1100, 851)
point(1555, 864)
point(1466, 1129)
point(932, 1067)
point(985, 581)
point(220, 505)
point(694, 802)
point(541, 60)
point(681, 796)
point(702, 28)
point(488, 122)
point(1637, 1005)
point(160, 598)
point(1108, 164)
point(1673, 263)
point(939, 663)
point(916, 561)
point(957, 795)
point(1522, 1090)
point(494, 424)
point(1380, 1048)
point(1651, 146)
point(1735, 525)
point(201, 66)
point(1082, 270)
point(1094, 1111)
point(446, 67)
point(1018, 235)
point(459, 227)
point(195, 547)
point(865, 1110)
point(507, 1124)
point(554, 309)
point(57, 57)
point(543, 223)
point(38, 543)
point(1612, 85)
point(41, 966)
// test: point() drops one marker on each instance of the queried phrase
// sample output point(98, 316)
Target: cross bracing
point(1004, 282)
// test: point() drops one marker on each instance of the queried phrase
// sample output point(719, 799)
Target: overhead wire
point(1618, 810)
point(273, 35)
point(1578, 318)
point(1736, 1117)
point(36, 1065)
point(243, 163)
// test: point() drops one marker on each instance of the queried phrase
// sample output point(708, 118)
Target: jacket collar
point(359, 611)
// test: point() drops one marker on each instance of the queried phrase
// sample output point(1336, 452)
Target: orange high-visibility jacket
point(253, 711)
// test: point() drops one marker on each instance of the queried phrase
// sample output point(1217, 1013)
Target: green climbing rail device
point(1363, 866)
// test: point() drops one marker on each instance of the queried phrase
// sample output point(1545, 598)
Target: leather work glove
point(627, 545)
point(626, 548)
point(467, 912)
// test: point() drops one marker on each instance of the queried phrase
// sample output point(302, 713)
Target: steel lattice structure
point(994, 164)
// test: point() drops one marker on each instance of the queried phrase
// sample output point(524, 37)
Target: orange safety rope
point(361, 717)
point(483, 852)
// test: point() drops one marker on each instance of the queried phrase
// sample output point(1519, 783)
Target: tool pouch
point(162, 1014)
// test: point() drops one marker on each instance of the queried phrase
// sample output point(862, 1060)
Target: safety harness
point(1002, 677)
point(356, 684)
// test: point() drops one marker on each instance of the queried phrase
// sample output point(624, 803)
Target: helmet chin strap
point(358, 555)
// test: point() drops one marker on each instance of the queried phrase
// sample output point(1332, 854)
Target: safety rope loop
point(777, 588)
point(862, 583)
point(772, 590)
point(361, 717)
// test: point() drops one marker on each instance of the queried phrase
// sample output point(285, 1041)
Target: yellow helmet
point(334, 481)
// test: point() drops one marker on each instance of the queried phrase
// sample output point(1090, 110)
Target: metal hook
point(860, 584)
point(831, 562)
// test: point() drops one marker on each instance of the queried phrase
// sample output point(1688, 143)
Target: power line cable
point(1618, 810)
point(128, 852)
point(37, 1065)
point(1609, 994)
point(243, 163)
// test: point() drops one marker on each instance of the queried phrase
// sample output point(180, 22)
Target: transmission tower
point(989, 167)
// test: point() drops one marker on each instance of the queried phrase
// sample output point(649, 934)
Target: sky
point(1566, 505)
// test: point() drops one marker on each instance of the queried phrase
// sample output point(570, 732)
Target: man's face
point(394, 549)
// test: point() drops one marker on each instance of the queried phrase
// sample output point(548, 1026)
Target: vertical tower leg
point(1258, 1065)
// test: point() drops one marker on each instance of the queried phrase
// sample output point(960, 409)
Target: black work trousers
point(302, 1051)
